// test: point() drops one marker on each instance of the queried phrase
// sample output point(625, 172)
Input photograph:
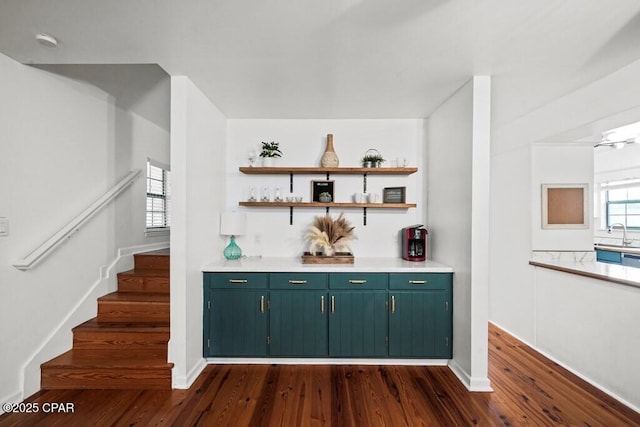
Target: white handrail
point(74, 225)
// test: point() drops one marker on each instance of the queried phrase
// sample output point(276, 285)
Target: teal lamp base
point(232, 251)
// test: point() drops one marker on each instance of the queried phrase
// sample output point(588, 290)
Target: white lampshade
point(233, 223)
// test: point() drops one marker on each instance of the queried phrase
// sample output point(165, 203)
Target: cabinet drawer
point(608, 256)
point(237, 280)
point(355, 281)
point(417, 281)
point(298, 281)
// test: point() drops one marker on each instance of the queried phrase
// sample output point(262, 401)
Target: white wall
point(457, 211)
point(515, 302)
point(591, 326)
point(198, 147)
point(303, 142)
point(511, 292)
point(569, 163)
point(59, 139)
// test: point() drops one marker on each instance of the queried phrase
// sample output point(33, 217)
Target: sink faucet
point(625, 241)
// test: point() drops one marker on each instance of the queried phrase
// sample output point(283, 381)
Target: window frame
point(165, 196)
point(626, 202)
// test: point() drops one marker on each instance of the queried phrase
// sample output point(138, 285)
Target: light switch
point(4, 227)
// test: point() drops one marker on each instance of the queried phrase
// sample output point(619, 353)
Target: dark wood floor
point(529, 389)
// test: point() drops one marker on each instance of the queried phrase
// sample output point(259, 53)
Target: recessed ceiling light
point(46, 40)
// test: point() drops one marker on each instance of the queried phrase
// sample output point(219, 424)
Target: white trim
point(323, 361)
point(158, 164)
point(573, 371)
point(472, 384)
point(74, 225)
point(184, 382)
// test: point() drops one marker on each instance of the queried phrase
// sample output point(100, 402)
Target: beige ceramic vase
point(329, 158)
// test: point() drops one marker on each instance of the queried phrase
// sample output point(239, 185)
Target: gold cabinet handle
point(298, 282)
point(333, 304)
point(262, 304)
point(357, 282)
point(238, 281)
point(393, 304)
point(322, 304)
point(417, 282)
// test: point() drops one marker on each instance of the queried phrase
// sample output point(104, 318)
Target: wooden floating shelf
point(339, 171)
point(329, 205)
point(291, 171)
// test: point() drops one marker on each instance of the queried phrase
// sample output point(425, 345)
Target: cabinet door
point(298, 323)
point(358, 324)
point(237, 323)
point(420, 324)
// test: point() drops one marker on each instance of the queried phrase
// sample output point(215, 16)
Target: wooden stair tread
point(138, 327)
point(145, 272)
point(142, 297)
point(159, 252)
point(111, 359)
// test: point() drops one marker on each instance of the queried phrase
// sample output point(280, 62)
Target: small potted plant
point(372, 159)
point(270, 150)
point(324, 197)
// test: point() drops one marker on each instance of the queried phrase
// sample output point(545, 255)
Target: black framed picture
point(322, 191)
point(394, 195)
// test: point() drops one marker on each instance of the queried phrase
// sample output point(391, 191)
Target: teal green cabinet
point(358, 281)
point(420, 316)
point(237, 280)
point(298, 281)
point(298, 323)
point(339, 314)
point(358, 323)
point(235, 315)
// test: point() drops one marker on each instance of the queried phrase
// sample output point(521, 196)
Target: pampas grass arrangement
point(330, 235)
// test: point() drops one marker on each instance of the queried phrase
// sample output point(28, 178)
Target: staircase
point(125, 347)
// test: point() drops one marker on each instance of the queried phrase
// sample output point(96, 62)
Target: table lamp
point(233, 224)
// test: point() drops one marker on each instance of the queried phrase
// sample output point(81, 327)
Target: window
point(623, 204)
point(158, 196)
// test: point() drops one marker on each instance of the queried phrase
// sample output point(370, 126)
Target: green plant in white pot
point(270, 151)
point(372, 159)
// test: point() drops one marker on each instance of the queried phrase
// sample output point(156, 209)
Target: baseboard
point(471, 383)
point(323, 361)
point(57, 339)
point(573, 371)
point(184, 382)
point(16, 397)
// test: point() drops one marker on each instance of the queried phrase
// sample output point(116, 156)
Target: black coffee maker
point(414, 243)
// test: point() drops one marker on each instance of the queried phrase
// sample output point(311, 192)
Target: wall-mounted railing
point(74, 225)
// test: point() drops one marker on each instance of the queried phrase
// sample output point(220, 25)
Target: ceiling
point(339, 58)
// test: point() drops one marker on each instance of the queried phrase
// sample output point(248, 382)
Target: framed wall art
point(394, 194)
point(320, 189)
point(565, 206)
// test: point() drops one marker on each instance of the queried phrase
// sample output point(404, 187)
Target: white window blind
point(158, 196)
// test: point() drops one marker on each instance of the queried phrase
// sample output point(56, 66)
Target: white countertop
point(373, 265)
point(590, 268)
